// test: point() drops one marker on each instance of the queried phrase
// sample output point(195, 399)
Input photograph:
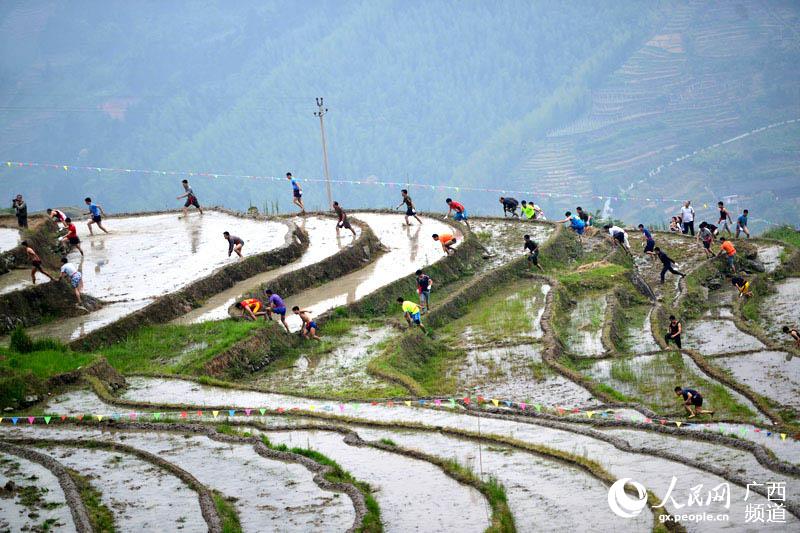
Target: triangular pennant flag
point(662, 421)
point(408, 403)
point(231, 412)
point(184, 414)
point(156, 416)
point(508, 403)
point(99, 418)
point(215, 413)
point(522, 406)
point(437, 402)
point(341, 408)
point(589, 414)
point(63, 417)
point(480, 399)
point(356, 406)
point(115, 416)
point(576, 410)
point(311, 407)
point(31, 420)
point(678, 423)
point(47, 420)
point(769, 433)
point(199, 413)
point(280, 409)
point(247, 412)
point(80, 418)
point(495, 402)
point(422, 402)
point(133, 416)
point(452, 402)
point(65, 167)
point(14, 420)
point(1, 419)
point(466, 400)
point(783, 436)
point(538, 407)
point(262, 411)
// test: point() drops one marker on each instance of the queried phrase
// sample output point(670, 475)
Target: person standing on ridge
point(727, 248)
point(95, 211)
point(297, 193)
point(235, 244)
point(649, 241)
point(424, 284)
point(342, 222)
point(191, 199)
point(36, 262)
point(410, 211)
point(532, 247)
point(692, 402)
point(509, 206)
point(458, 210)
point(707, 238)
point(687, 217)
point(724, 218)
point(741, 224)
point(20, 210)
point(667, 262)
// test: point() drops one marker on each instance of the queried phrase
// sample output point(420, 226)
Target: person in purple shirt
point(275, 305)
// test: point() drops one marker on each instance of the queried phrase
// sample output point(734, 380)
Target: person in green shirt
point(527, 210)
point(411, 312)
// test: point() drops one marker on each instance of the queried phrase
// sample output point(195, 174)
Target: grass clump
point(785, 234)
point(600, 278)
point(227, 513)
point(100, 516)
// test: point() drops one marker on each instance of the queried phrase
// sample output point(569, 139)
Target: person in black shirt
point(667, 262)
point(533, 251)
point(692, 402)
point(424, 284)
point(21, 210)
point(793, 333)
point(509, 206)
point(675, 330)
point(410, 211)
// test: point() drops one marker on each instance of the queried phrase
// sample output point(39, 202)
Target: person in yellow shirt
point(727, 248)
point(447, 241)
point(251, 308)
point(411, 312)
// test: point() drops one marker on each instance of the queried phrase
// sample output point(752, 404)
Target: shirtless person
point(71, 240)
point(251, 309)
point(342, 222)
point(36, 261)
point(309, 329)
point(234, 244)
point(410, 211)
point(447, 241)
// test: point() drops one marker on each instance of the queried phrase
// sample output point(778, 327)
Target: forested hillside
point(577, 97)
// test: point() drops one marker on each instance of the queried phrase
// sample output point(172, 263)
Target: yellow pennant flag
point(495, 402)
point(1, 419)
point(99, 417)
point(408, 403)
point(312, 407)
point(589, 414)
point(215, 413)
point(783, 436)
point(65, 167)
point(678, 423)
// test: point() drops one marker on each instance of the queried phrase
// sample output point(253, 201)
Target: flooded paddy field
point(9, 238)
point(503, 239)
point(781, 309)
point(584, 336)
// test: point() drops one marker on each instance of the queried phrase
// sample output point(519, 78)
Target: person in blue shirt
point(97, 214)
point(297, 193)
point(649, 242)
point(575, 222)
point(741, 224)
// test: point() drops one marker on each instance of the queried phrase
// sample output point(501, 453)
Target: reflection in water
point(414, 239)
point(194, 234)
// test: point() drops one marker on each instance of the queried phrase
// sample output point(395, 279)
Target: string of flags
point(366, 181)
point(355, 407)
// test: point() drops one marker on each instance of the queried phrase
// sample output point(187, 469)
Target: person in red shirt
point(71, 239)
point(458, 210)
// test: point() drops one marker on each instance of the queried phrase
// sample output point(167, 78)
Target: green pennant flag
point(156, 416)
point(47, 420)
point(262, 411)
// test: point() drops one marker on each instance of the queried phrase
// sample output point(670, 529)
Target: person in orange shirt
point(447, 241)
point(251, 308)
point(727, 248)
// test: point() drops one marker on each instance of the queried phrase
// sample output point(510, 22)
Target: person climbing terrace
point(251, 309)
point(75, 278)
point(424, 284)
point(649, 242)
point(575, 222)
point(675, 330)
point(20, 210)
point(509, 206)
point(191, 199)
point(71, 239)
point(675, 225)
point(538, 212)
point(411, 312)
point(706, 236)
point(794, 334)
point(235, 244)
point(687, 217)
point(527, 210)
point(97, 214)
point(342, 222)
point(36, 262)
point(309, 329)
point(447, 241)
point(532, 248)
point(692, 402)
point(58, 217)
point(742, 285)
point(458, 210)
point(741, 224)
point(410, 211)
point(297, 193)
point(667, 263)
point(620, 237)
point(276, 305)
point(726, 247)
point(724, 221)
point(586, 217)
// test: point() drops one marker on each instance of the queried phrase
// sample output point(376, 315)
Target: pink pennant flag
point(522, 405)
point(247, 412)
point(31, 419)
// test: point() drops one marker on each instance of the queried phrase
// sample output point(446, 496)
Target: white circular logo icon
point(624, 505)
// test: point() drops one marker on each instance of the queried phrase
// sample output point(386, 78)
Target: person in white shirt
point(619, 236)
point(687, 217)
point(71, 272)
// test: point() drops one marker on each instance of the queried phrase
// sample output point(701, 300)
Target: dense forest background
point(571, 98)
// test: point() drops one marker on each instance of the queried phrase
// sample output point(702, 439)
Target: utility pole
point(321, 111)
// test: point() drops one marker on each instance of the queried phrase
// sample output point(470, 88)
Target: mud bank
point(323, 243)
point(42, 303)
point(9, 238)
point(167, 307)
